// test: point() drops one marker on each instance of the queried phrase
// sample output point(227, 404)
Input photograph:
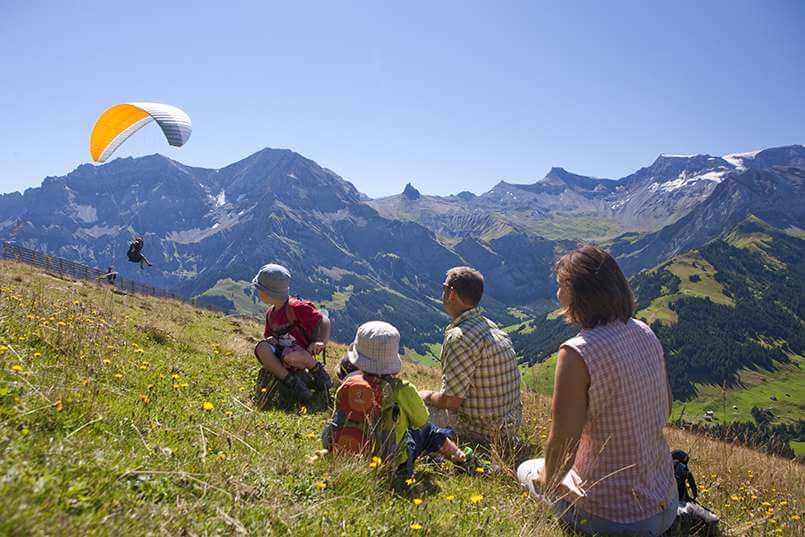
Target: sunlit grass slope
point(132, 415)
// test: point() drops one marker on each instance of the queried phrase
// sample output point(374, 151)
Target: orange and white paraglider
point(122, 120)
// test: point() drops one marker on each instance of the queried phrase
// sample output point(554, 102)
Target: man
point(135, 253)
point(480, 392)
point(110, 276)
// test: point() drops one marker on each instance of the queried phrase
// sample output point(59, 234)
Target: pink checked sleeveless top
point(623, 460)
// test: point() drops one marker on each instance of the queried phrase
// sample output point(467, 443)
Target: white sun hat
point(376, 349)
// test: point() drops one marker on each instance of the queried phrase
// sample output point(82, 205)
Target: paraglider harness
point(135, 251)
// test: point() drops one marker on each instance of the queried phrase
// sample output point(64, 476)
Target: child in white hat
point(368, 373)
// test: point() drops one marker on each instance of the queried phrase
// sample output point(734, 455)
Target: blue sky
point(448, 95)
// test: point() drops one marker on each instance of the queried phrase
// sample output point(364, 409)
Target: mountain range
point(207, 231)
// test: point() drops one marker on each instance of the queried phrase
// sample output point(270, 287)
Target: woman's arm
point(569, 411)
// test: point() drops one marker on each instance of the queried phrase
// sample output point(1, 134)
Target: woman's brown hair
point(595, 288)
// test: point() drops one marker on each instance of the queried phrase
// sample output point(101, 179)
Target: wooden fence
point(64, 267)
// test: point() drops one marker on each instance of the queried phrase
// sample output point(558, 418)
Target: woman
point(607, 468)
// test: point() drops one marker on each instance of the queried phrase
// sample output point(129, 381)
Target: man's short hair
point(596, 289)
point(467, 282)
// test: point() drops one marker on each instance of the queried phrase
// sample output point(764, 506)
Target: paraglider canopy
point(122, 120)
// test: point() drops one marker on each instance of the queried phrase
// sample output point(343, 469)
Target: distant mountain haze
point(208, 231)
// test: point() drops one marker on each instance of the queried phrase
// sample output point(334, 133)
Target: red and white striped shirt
point(623, 460)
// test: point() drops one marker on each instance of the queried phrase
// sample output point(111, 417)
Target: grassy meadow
point(133, 415)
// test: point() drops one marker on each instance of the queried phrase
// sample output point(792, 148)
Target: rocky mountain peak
point(411, 193)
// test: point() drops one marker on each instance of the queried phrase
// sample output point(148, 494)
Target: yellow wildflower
point(3, 348)
point(450, 498)
point(17, 367)
point(303, 410)
point(207, 406)
point(784, 502)
point(175, 376)
point(310, 435)
point(263, 390)
point(476, 498)
point(118, 376)
point(61, 323)
point(794, 517)
point(479, 470)
point(37, 355)
point(107, 361)
point(766, 504)
point(228, 413)
point(58, 405)
point(417, 502)
point(735, 498)
point(416, 527)
point(321, 485)
point(410, 481)
point(145, 399)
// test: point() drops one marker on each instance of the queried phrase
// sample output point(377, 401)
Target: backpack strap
point(294, 322)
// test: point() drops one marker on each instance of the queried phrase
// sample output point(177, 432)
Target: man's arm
point(569, 411)
point(440, 400)
point(458, 367)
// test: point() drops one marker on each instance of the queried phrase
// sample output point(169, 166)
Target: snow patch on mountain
point(96, 232)
point(196, 235)
point(737, 159)
point(684, 180)
point(86, 213)
point(220, 200)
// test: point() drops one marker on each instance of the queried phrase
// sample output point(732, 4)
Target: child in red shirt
point(295, 332)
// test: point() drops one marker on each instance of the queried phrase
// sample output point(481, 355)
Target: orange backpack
point(365, 417)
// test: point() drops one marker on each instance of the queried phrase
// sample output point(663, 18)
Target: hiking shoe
point(265, 388)
point(473, 465)
point(297, 388)
point(321, 380)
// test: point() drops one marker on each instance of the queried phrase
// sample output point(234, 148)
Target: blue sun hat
point(273, 280)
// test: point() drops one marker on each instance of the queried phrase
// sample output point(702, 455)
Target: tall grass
point(133, 415)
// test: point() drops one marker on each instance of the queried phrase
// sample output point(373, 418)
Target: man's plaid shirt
point(479, 365)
